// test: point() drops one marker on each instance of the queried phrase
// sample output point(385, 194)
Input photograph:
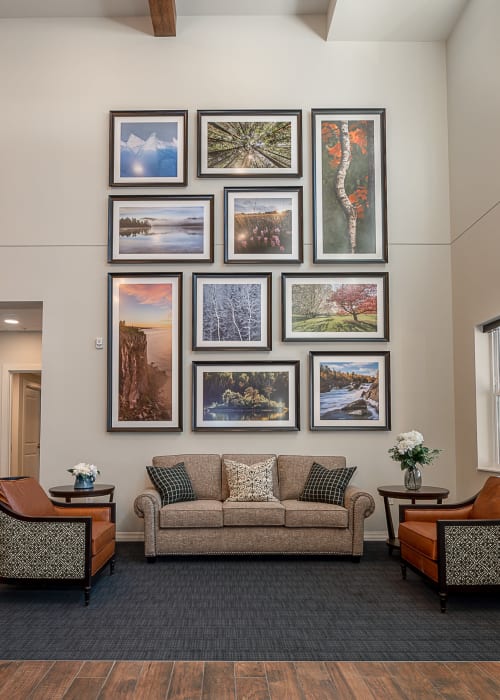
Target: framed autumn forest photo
point(161, 228)
point(144, 351)
point(148, 148)
point(350, 390)
point(250, 143)
point(335, 306)
point(232, 311)
point(246, 395)
point(349, 185)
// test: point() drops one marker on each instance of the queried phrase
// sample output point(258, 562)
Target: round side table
point(69, 492)
point(424, 493)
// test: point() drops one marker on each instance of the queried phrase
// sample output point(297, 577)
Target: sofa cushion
point(199, 513)
point(256, 513)
point(26, 497)
point(172, 483)
point(249, 459)
point(294, 469)
point(326, 485)
point(250, 482)
point(420, 536)
point(204, 470)
point(304, 514)
point(487, 503)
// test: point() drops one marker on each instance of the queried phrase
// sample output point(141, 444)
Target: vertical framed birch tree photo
point(349, 185)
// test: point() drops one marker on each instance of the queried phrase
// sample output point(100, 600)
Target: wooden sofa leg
point(151, 560)
point(356, 558)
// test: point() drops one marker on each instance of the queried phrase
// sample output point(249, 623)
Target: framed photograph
point(161, 229)
point(335, 306)
point(349, 185)
point(144, 352)
point(232, 312)
point(250, 143)
point(263, 225)
point(245, 396)
point(350, 391)
point(148, 148)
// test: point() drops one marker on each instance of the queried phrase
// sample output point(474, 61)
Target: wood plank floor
point(247, 680)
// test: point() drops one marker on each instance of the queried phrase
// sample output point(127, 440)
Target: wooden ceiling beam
point(163, 16)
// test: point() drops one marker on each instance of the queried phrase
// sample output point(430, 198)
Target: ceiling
point(28, 313)
point(346, 20)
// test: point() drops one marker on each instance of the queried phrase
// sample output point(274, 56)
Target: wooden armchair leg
point(86, 593)
point(403, 570)
point(111, 566)
point(443, 599)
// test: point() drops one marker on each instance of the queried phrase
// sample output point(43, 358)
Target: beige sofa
point(210, 525)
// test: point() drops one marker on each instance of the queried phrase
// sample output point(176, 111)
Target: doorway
point(26, 388)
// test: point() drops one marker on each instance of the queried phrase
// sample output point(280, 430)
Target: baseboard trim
point(375, 536)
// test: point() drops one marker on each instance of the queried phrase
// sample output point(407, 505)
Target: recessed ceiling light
point(13, 321)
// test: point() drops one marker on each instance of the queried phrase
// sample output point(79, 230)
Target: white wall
point(473, 56)
point(61, 78)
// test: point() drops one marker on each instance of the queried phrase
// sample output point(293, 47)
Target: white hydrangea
point(407, 441)
point(84, 469)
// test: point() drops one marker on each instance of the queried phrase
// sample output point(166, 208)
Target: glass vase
point(413, 478)
point(83, 482)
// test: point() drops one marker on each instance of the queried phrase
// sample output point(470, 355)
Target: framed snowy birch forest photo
point(232, 311)
point(349, 185)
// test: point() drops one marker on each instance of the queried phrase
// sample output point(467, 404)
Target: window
point(495, 391)
point(487, 360)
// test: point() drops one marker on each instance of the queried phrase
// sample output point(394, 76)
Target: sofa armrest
point(147, 505)
point(360, 505)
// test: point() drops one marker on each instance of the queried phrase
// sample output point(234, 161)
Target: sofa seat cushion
point(244, 513)
point(200, 513)
point(102, 534)
point(421, 536)
point(306, 514)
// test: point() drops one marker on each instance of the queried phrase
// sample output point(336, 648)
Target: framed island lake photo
point(148, 148)
point(349, 185)
point(161, 229)
point(250, 143)
point(144, 352)
point(232, 311)
point(350, 391)
point(335, 306)
point(246, 395)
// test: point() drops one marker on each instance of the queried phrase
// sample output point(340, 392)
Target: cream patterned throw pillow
point(250, 482)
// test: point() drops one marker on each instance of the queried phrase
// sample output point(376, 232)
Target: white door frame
point(5, 410)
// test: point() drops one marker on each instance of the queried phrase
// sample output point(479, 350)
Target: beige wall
point(473, 56)
point(63, 77)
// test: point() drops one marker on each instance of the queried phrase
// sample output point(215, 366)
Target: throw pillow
point(326, 485)
point(172, 483)
point(250, 482)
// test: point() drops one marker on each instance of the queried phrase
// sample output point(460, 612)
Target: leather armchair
point(455, 546)
point(43, 541)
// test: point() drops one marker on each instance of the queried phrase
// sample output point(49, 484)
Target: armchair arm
point(432, 513)
point(97, 511)
point(469, 552)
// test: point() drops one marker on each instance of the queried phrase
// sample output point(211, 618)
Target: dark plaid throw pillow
point(326, 485)
point(172, 483)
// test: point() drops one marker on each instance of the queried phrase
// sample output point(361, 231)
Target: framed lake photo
point(245, 395)
point(263, 224)
point(144, 352)
point(232, 312)
point(148, 148)
point(350, 391)
point(349, 185)
point(335, 306)
point(161, 229)
point(250, 143)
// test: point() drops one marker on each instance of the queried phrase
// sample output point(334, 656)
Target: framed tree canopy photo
point(246, 396)
point(250, 143)
point(335, 306)
point(232, 311)
point(144, 351)
point(350, 391)
point(349, 185)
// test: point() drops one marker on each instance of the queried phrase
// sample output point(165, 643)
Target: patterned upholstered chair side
point(457, 546)
point(69, 545)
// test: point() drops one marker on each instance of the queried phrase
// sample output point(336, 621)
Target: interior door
point(29, 433)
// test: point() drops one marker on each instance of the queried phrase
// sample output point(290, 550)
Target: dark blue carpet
point(250, 608)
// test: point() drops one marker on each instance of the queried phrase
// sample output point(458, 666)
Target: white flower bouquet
point(410, 450)
point(87, 471)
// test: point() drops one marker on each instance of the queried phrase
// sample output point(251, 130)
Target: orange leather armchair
point(45, 541)
point(455, 546)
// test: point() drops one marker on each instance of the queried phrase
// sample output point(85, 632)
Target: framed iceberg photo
point(161, 229)
point(148, 148)
point(144, 351)
point(246, 396)
point(350, 391)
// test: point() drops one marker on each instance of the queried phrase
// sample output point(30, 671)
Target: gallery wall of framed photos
point(233, 311)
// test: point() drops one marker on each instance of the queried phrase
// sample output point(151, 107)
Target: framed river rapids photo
point(144, 352)
point(350, 391)
point(246, 395)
